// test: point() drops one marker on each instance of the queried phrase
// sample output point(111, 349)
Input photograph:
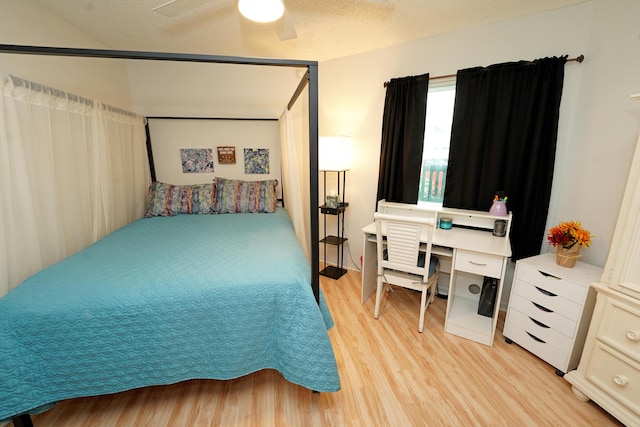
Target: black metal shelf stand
point(338, 240)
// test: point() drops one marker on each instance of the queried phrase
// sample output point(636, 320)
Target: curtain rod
point(578, 59)
point(211, 118)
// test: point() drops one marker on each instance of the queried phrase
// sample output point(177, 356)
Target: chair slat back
point(400, 237)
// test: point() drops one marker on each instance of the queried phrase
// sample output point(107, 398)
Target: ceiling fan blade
point(286, 29)
point(176, 7)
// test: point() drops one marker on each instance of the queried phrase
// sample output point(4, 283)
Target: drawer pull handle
point(481, 264)
point(620, 380)
point(538, 323)
point(548, 275)
point(537, 339)
point(545, 309)
point(546, 292)
point(633, 335)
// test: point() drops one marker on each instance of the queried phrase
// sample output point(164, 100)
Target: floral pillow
point(197, 199)
point(236, 196)
point(160, 200)
point(168, 199)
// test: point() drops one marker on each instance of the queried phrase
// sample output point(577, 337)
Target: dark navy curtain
point(503, 138)
point(405, 109)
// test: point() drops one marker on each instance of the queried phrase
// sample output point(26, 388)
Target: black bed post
point(313, 179)
point(23, 420)
point(152, 168)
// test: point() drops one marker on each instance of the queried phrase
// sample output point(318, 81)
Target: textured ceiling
point(325, 29)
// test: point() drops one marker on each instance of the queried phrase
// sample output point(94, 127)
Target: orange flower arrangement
point(569, 233)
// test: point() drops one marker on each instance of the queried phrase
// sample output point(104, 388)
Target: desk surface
point(466, 239)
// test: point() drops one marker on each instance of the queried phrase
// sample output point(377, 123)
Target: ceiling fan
point(254, 10)
point(285, 28)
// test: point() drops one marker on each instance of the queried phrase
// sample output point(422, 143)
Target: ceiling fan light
point(261, 10)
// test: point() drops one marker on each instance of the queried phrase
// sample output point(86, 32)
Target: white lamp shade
point(334, 153)
point(261, 10)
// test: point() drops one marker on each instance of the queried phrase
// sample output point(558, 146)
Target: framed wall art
point(196, 160)
point(227, 155)
point(256, 160)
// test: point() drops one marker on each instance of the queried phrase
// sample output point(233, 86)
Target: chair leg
point(423, 307)
point(434, 289)
point(376, 311)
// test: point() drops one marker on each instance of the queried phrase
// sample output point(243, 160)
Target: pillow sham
point(237, 196)
point(160, 200)
point(168, 199)
point(197, 199)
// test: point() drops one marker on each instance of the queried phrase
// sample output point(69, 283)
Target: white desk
point(466, 255)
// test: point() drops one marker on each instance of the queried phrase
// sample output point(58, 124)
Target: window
point(437, 135)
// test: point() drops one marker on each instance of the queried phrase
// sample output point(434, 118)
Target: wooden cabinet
point(550, 308)
point(609, 371)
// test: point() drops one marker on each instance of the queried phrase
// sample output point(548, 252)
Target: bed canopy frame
point(309, 79)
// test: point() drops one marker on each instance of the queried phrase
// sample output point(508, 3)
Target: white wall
point(166, 88)
point(169, 136)
point(25, 23)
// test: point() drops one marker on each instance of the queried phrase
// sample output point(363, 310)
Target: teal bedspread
point(162, 300)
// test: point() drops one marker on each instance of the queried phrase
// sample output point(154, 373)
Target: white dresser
point(609, 371)
point(550, 308)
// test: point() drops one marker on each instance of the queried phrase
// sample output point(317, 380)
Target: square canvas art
point(196, 160)
point(256, 160)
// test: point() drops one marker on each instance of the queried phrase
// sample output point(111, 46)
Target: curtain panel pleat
point(503, 138)
point(72, 170)
point(403, 126)
point(293, 174)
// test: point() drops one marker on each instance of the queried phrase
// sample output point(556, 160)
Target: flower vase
point(567, 257)
point(498, 208)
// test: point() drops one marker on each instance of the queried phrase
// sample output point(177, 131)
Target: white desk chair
point(404, 257)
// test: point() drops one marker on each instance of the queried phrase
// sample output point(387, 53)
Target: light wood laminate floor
point(391, 376)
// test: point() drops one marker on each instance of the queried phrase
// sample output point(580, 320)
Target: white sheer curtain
point(295, 178)
point(72, 170)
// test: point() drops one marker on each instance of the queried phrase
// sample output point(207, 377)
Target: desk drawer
point(554, 320)
point(547, 300)
point(552, 284)
point(479, 263)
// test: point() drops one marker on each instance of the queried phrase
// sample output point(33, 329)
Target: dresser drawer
point(518, 320)
point(479, 263)
point(616, 374)
point(552, 319)
point(544, 351)
point(552, 284)
point(547, 301)
point(622, 328)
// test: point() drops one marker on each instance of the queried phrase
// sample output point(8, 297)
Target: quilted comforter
point(162, 300)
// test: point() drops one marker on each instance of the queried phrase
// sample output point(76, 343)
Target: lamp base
point(333, 272)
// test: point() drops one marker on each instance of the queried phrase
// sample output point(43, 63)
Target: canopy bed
point(113, 316)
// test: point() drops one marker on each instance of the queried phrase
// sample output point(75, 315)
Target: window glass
point(435, 155)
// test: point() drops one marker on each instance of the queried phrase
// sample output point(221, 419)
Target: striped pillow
point(197, 199)
point(236, 196)
point(168, 199)
point(161, 200)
